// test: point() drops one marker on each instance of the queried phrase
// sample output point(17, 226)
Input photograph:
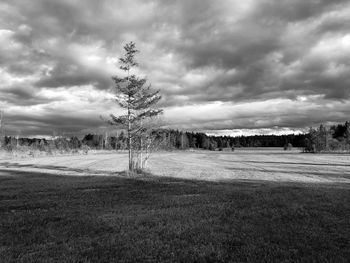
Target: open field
point(246, 206)
point(243, 164)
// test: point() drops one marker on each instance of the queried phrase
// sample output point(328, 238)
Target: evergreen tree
point(139, 100)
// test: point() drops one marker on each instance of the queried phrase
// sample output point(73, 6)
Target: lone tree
point(134, 95)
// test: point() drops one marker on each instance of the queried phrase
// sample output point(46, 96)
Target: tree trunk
point(141, 148)
point(129, 130)
point(129, 142)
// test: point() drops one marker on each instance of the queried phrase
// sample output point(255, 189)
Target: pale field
point(243, 164)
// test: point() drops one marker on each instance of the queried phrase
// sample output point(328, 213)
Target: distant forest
point(173, 139)
point(333, 138)
point(167, 140)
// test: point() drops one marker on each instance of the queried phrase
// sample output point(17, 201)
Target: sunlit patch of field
point(243, 164)
point(270, 165)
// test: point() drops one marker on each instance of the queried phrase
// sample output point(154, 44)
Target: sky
point(227, 67)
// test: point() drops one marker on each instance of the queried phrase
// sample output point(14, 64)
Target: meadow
point(251, 205)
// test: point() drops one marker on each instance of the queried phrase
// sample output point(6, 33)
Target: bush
point(85, 149)
point(288, 147)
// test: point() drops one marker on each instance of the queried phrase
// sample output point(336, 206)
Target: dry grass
point(243, 164)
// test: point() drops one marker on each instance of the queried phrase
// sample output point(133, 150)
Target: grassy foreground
point(46, 218)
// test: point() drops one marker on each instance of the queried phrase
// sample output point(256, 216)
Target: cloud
point(258, 114)
point(219, 66)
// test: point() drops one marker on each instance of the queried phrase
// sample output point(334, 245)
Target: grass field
point(244, 164)
point(246, 206)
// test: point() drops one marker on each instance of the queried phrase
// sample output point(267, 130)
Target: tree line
point(321, 139)
point(166, 139)
point(335, 138)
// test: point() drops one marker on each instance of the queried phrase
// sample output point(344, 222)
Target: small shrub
point(288, 147)
point(85, 149)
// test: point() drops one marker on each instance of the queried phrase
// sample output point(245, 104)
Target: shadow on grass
point(293, 163)
point(324, 174)
point(48, 217)
point(10, 165)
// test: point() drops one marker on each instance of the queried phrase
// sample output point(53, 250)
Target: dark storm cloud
point(22, 96)
point(69, 74)
point(49, 125)
point(261, 45)
point(297, 10)
point(196, 52)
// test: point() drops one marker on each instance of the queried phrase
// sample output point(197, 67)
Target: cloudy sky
point(224, 67)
